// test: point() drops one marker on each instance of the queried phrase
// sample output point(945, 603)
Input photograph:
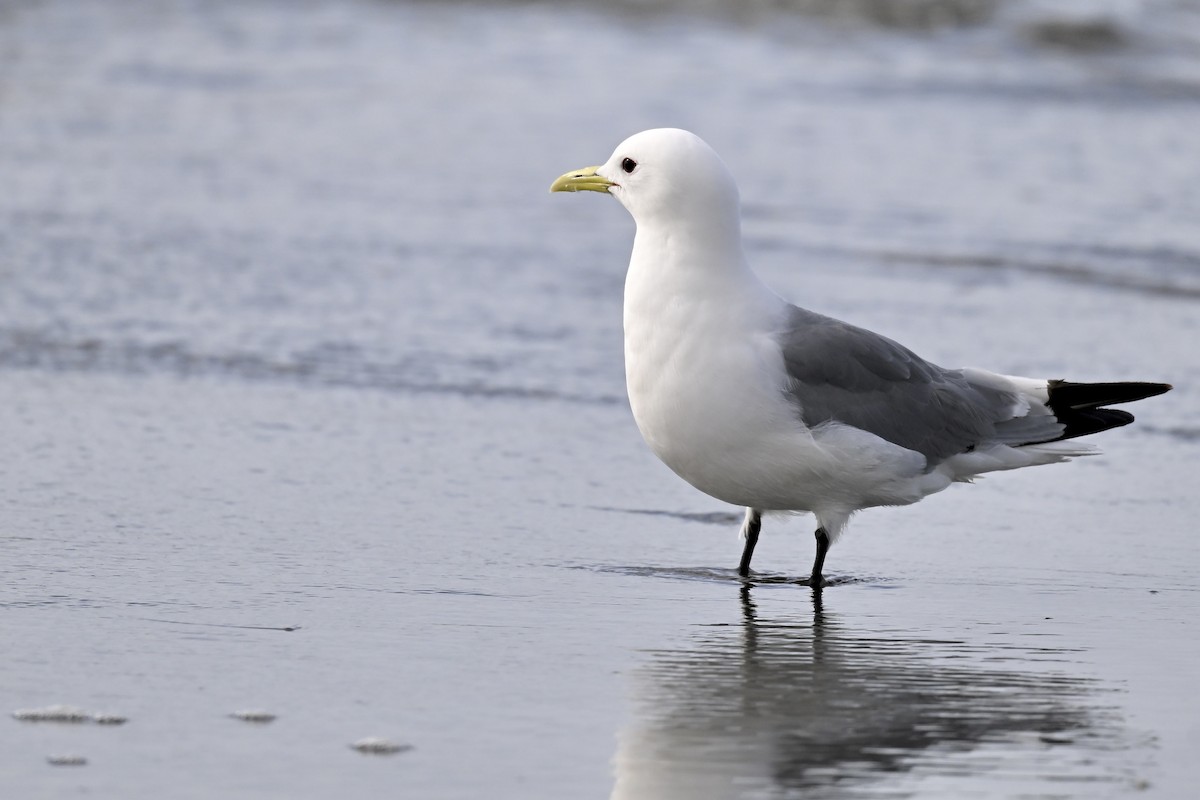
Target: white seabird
point(766, 405)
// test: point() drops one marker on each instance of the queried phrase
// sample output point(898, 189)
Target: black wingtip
point(1078, 405)
point(1084, 422)
point(1066, 395)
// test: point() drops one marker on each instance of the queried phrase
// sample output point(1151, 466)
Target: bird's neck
point(693, 268)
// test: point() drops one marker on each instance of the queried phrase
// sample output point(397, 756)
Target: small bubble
point(378, 746)
point(109, 719)
point(55, 713)
point(256, 715)
point(66, 761)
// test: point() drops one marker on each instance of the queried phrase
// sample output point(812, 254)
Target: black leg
point(817, 580)
point(750, 529)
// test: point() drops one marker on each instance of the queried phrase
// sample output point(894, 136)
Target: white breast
point(705, 377)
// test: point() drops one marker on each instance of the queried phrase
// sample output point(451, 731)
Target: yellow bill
point(581, 180)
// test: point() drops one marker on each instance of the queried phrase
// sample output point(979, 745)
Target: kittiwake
point(772, 407)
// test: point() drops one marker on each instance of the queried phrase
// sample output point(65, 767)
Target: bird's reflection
point(808, 707)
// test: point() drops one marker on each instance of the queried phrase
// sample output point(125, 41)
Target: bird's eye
point(629, 165)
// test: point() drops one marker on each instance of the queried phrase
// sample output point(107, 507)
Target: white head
point(664, 177)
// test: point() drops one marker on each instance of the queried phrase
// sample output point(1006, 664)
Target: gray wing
point(839, 372)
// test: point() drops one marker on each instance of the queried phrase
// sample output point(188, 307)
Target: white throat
point(694, 311)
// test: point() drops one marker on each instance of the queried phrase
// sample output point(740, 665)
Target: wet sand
point(314, 407)
point(479, 603)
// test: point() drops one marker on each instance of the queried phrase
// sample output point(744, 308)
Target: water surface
point(313, 402)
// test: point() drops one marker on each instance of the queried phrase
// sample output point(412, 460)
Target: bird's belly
point(715, 412)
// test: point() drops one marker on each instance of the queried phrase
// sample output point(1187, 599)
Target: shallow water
point(313, 403)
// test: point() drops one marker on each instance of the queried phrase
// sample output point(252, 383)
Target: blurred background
point(293, 338)
point(336, 191)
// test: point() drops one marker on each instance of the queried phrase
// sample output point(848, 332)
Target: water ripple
point(23, 348)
